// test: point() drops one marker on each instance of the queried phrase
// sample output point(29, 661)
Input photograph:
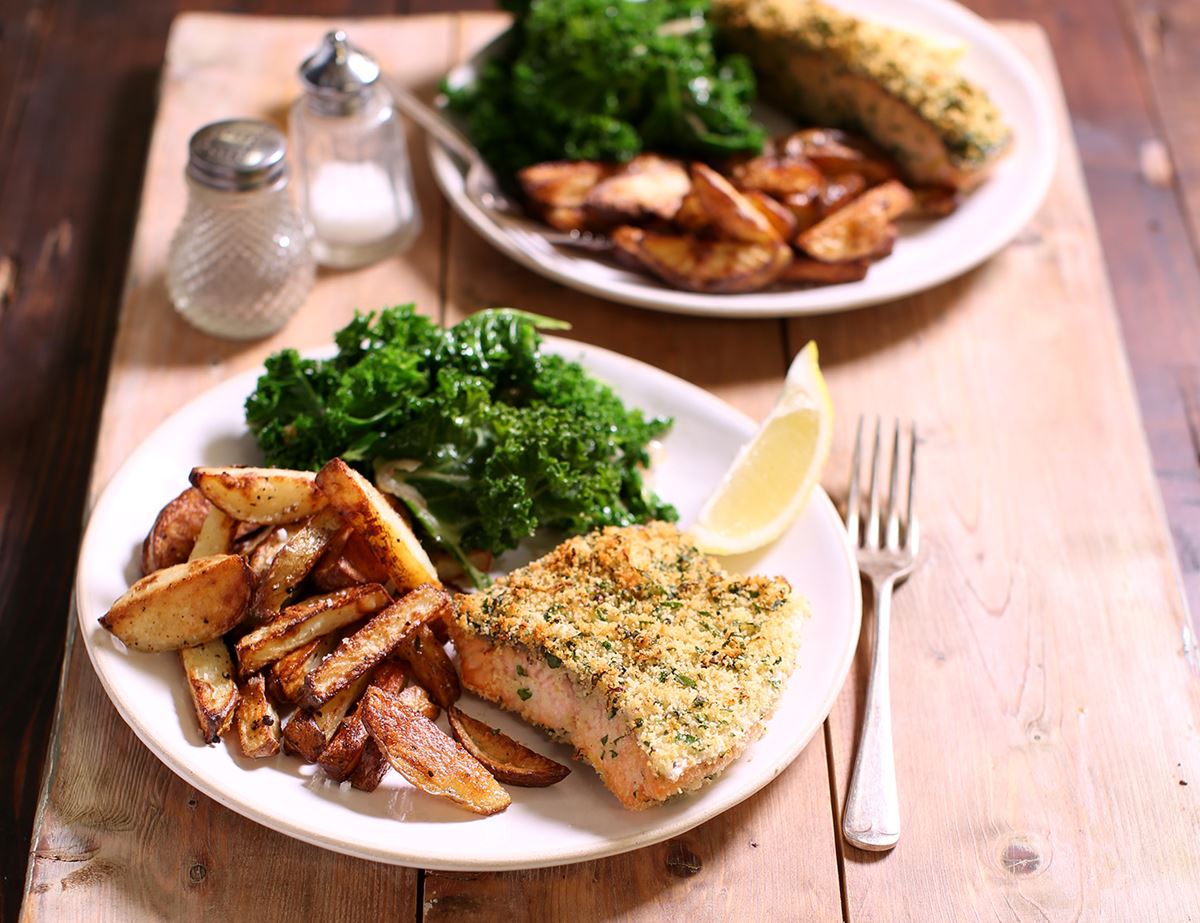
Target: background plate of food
point(573, 820)
point(952, 153)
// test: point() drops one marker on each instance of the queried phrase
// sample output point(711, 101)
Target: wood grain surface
point(1046, 715)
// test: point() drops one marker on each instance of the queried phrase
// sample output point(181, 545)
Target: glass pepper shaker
point(239, 265)
point(352, 162)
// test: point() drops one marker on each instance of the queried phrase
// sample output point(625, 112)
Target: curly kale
point(605, 80)
point(482, 435)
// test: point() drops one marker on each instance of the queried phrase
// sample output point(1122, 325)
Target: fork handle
point(872, 816)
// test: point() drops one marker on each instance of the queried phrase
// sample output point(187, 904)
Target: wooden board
point(1045, 713)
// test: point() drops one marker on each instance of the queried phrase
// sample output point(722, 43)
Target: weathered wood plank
point(120, 835)
point(1045, 711)
point(733, 866)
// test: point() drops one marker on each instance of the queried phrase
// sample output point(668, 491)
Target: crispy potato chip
point(429, 759)
point(361, 651)
point(174, 532)
point(270, 496)
point(182, 606)
point(713, 265)
point(503, 757)
point(732, 215)
point(345, 748)
point(389, 537)
point(431, 666)
point(209, 671)
point(299, 624)
point(258, 729)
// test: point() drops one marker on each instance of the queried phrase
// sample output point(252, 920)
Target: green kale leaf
point(482, 435)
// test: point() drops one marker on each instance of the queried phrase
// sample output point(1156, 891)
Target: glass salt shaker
point(239, 265)
point(352, 164)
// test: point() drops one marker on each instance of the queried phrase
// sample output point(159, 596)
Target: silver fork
point(481, 185)
point(887, 552)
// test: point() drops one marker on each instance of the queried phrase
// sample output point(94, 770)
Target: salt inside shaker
point(352, 165)
point(239, 265)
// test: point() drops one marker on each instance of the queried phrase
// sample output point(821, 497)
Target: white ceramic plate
point(927, 254)
point(572, 821)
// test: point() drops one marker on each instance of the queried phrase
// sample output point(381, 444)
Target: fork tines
point(867, 532)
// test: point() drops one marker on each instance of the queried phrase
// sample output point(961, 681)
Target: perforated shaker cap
point(237, 155)
point(338, 74)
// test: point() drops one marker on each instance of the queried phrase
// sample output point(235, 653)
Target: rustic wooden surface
point(1054, 799)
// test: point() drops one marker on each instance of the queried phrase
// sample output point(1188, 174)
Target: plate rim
point(836, 298)
point(280, 823)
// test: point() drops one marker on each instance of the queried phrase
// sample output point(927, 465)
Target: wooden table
point(1045, 682)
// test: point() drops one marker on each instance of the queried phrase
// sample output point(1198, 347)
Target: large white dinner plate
point(572, 821)
point(927, 253)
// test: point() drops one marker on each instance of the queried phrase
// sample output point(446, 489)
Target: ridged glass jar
point(239, 264)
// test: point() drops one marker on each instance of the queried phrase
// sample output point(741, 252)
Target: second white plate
point(926, 255)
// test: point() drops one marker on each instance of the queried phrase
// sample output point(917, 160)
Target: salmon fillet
point(638, 650)
point(833, 69)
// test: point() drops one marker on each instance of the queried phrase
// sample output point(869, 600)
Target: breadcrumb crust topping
point(692, 657)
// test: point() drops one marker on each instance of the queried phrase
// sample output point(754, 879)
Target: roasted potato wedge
point(649, 188)
point(692, 215)
point(360, 652)
point(299, 624)
point(292, 563)
point(363, 560)
point(840, 191)
point(805, 207)
point(182, 606)
point(626, 241)
point(777, 214)
point(372, 767)
point(308, 731)
point(713, 265)
point(502, 756)
point(416, 698)
point(216, 535)
point(385, 532)
point(834, 151)
point(448, 568)
point(933, 202)
point(270, 496)
point(258, 729)
point(174, 532)
point(561, 184)
point(732, 215)
point(858, 229)
point(429, 759)
point(209, 671)
point(286, 677)
point(565, 219)
point(332, 571)
point(804, 270)
point(431, 666)
point(262, 553)
point(345, 748)
point(778, 176)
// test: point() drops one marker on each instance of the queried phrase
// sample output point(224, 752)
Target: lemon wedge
point(774, 474)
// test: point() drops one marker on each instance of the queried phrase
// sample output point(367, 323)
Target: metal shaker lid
point(237, 155)
point(338, 73)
